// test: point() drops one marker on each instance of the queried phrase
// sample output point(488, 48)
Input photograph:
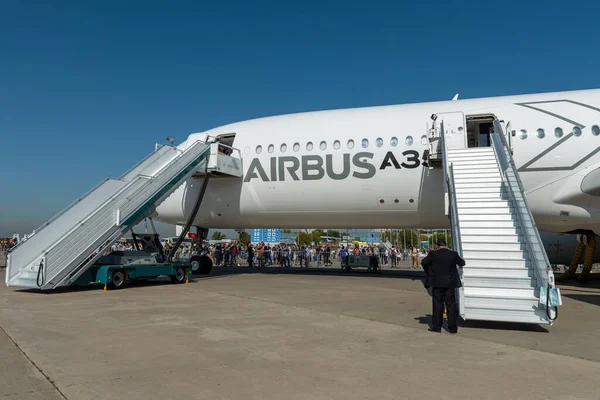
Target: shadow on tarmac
point(498, 326)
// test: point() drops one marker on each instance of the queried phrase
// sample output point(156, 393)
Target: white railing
point(510, 178)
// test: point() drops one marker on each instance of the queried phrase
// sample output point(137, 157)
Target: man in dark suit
point(442, 275)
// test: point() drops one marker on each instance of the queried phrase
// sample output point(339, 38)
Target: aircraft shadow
point(586, 298)
point(337, 271)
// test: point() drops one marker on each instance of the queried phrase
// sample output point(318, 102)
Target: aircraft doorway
point(479, 128)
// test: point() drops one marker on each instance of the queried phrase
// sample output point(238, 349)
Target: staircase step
point(493, 282)
point(482, 196)
point(471, 160)
point(484, 211)
point(474, 167)
point(474, 171)
point(498, 273)
point(506, 304)
point(467, 204)
point(481, 189)
point(487, 231)
point(484, 217)
point(470, 246)
point(498, 239)
point(477, 185)
point(526, 317)
point(501, 293)
point(472, 150)
point(490, 163)
point(495, 255)
point(474, 262)
point(475, 179)
point(486, 224)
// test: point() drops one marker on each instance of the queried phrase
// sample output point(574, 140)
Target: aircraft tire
point(201, 265)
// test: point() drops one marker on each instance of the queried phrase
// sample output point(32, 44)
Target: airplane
point(490, 169)
point(369, 167)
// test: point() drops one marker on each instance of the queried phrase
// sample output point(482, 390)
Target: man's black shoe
point(453, 332)
point(434, 330)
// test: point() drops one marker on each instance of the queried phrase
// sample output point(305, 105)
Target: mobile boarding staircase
point(58, 252)
point(507, 276)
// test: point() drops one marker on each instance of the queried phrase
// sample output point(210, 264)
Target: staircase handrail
point(506, 162)
point(456, 241)
point(117, 194)
point(450, 191)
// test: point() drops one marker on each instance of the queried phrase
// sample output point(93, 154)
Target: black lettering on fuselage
point(371, 170)
point(290, 169)
point(389, 160)
point(256, 166)
point(414, 159)
point(329, 167)
point(316, 166)
point(273, 169)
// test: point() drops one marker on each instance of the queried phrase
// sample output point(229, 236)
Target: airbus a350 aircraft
point(492, 169)
point(367, 167)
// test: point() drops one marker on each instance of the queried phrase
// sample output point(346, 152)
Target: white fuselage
point(306, 175)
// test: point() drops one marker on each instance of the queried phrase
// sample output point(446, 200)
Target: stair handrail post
point(507, 165)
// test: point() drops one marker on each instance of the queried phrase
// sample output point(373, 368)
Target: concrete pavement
point(237, 335)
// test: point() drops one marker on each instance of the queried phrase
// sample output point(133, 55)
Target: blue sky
point(87, 88)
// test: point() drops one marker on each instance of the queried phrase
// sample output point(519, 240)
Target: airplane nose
point(591, 183)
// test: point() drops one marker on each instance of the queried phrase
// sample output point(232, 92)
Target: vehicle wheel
point(180, 275)
point(118, 280)
point(201, 264)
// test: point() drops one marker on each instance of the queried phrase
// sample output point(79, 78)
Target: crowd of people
point(287, 255)
point(7, 244)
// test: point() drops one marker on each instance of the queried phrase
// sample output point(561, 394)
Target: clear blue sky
point(87, 88)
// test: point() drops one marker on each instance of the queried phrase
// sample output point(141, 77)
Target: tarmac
point(279, 334)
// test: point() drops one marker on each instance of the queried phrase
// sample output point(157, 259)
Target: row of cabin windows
point(558, 132)
point(337, 144)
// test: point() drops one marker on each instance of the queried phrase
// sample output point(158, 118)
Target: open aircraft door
point(455, 134)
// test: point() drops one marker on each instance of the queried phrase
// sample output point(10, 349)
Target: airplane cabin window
point(271, 148)
point(336, 145)
point(323, 145)
point(296, 146)
point(409, 141)
point(350, 144)
point(309, 146)
point(558, 132)
point(541, 133)
point(424, 140)
point(365, 143)
point(595, 130)
point(576, 131)
point(394, 141)
point(379, 142)
point(258, 149)
point(523, 134)
point(283, 148)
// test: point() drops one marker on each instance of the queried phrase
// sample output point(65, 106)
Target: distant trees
point(218, 235)
point(245, 238)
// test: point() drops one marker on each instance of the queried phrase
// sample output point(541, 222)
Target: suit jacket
point(440, 267)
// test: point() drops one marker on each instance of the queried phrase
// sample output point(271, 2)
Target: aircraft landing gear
point(587, 242)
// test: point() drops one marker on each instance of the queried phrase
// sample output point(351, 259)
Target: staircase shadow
point(492, 325)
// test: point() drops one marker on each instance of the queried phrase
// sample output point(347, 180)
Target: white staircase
point(506, 264)
point(63, 248)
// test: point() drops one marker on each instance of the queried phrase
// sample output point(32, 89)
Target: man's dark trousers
point(440, 296)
